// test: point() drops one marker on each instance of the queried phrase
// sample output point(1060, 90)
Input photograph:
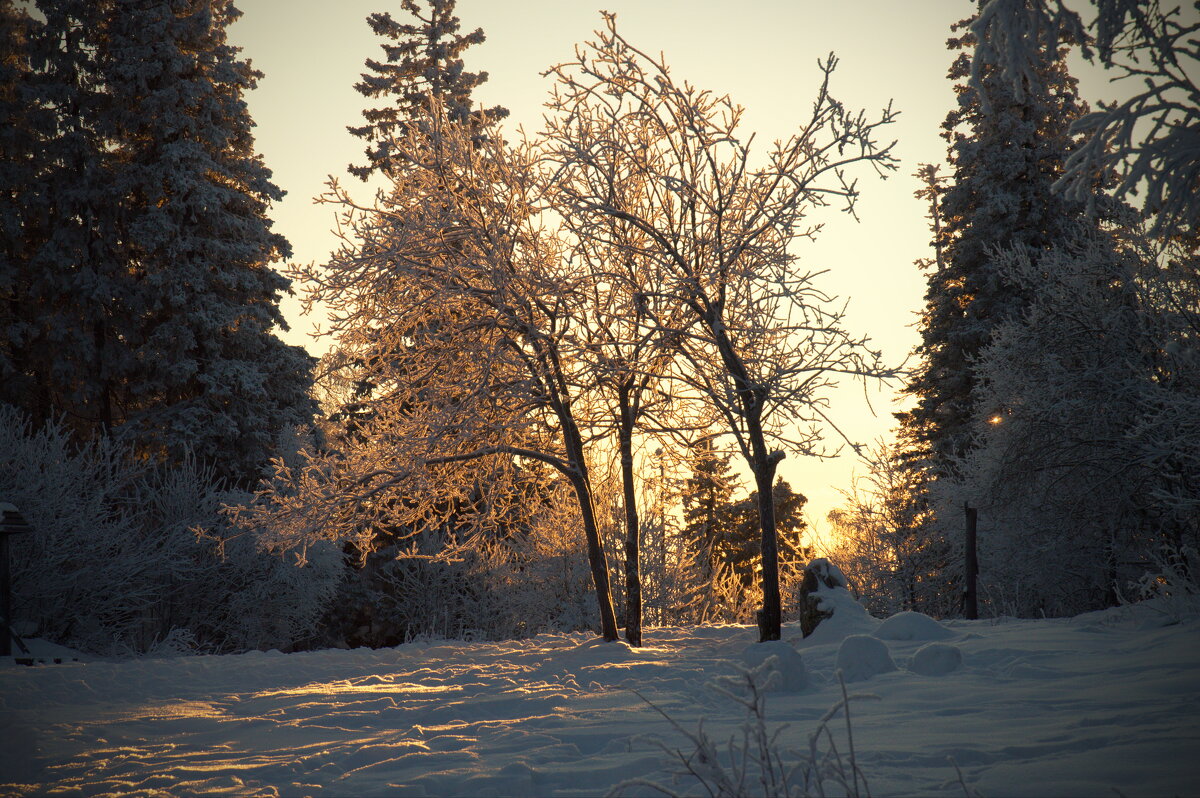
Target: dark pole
point(11, 522)
point(971, 566)
point(5, 603)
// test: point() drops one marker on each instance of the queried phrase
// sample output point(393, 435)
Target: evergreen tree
point(1006, 152)
point(706, 498)
point(737, 545)
point(67, 286)
point(196, 242)
point(424, 60)
point(138, 293)
point(18, 177)
point(722, 532)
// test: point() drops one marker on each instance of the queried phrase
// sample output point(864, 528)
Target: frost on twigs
point(1146, 141)
point(1170, 587)
point(641, 158)
point(755, 761)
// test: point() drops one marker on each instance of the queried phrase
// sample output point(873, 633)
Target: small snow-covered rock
point(936, 659)
point(821, 579)
point(912, 626)
point(862, 656)
point(782, 660)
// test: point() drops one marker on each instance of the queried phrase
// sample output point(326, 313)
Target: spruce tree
point(195, 239)
point(68, 287)
point(738, 543)
point(138, 296)
point(706, 498)
point(1006, 152)
point(424, 60)
point(722, 533)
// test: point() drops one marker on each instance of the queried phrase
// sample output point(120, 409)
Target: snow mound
point(912, 626)
point(783, 663)
point(936, 659)
point(861, 656)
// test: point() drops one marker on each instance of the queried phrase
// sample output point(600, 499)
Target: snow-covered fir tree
point(423, 60)
point(706, 496)
point(1148, 137)
point(1006, 152)
point(1047, 322)
point(65, 286)
point(1062, 497)
point(139, 293)
point(196, 242)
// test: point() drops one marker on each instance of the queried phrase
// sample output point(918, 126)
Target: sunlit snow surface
point(1037, 708)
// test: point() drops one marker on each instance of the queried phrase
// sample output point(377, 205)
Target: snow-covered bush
point(1086, 458)
point(936, 659)
point(545, 583)
point(860, 657)
point(782, 664)
point(433, 587)
point(1171, 585)
point(113, 563)
point(911, 626)
point(394, 597)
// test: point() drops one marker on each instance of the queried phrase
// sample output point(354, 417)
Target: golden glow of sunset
point(765, 57)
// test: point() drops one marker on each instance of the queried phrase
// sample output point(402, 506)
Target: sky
point(763, 53)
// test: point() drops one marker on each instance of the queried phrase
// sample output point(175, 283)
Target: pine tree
point(18, 178)
point(138, 294)
point(706, 497)
point(424, 60)
point(196, 242)
point(1006, 152)
point(69, 287)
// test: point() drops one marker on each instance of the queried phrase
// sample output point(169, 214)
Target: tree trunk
point(581, 482)
point(970, 565)
point(633, 583)
point(597, 561)
point(770, 621)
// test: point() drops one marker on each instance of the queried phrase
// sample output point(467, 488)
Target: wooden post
point(5, 603)
point(970, 565)
point(11, 523)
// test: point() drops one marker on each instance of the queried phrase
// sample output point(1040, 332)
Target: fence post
point(11, 523)
point(970, 565)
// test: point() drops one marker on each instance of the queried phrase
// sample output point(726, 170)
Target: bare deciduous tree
point(755, 338)
point(453, 284)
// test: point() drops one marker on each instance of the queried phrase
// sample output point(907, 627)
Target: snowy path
point(1064, 707)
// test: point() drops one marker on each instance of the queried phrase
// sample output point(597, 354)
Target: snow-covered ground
point(1038, 708)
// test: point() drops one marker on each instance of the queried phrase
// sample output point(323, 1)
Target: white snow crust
point(1062, 707)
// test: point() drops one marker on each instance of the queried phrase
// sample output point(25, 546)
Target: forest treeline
point(548, 353)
